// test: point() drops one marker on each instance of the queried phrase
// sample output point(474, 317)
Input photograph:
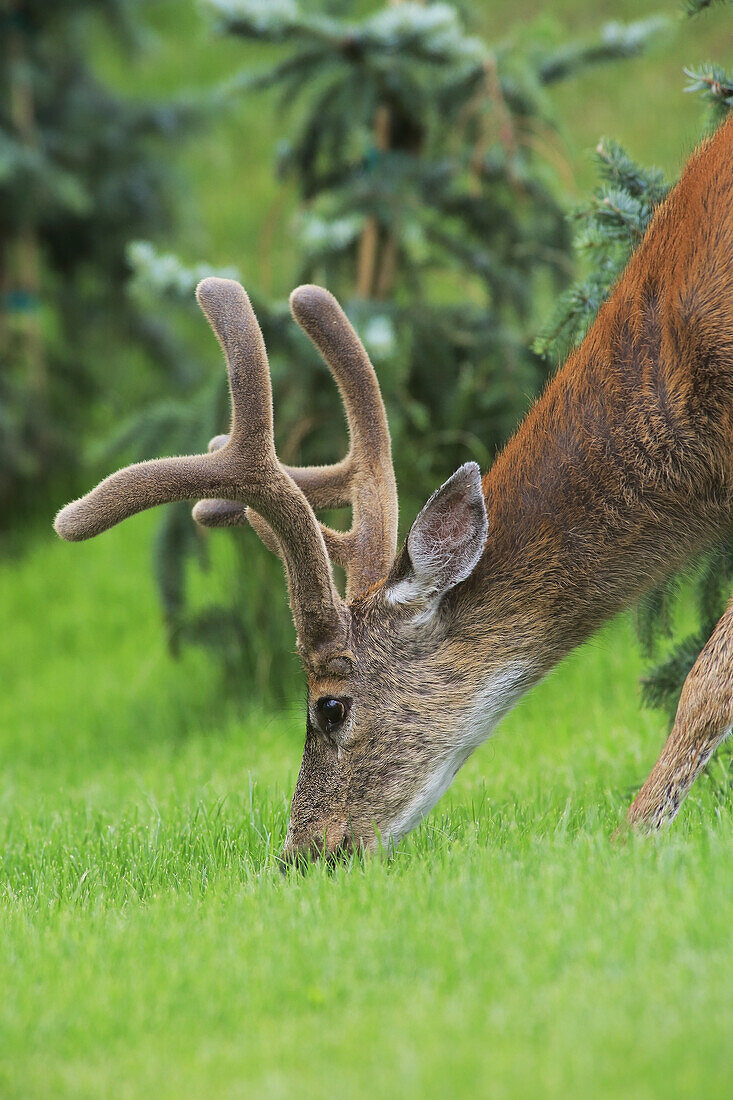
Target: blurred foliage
point(694, 7)
point(711, 589)
point(716, 86)
point(81, 169)
point(425, 207)
point(608, 229)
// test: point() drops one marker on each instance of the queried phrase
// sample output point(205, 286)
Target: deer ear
point(445, 542)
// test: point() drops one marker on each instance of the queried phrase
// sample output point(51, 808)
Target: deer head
point(390, 675)
point(619, 474)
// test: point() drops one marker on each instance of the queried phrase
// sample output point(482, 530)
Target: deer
point(619, 475)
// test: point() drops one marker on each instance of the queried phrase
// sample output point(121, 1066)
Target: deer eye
point(331, 713)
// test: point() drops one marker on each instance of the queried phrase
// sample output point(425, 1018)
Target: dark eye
point(331, 713)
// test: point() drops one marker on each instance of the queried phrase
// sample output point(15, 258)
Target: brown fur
point(621, 472)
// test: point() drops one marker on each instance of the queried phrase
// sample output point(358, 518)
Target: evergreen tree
point(80, 172)
point(608, 228)
point(425, 208)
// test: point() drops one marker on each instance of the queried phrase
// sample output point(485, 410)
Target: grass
point(151, 946)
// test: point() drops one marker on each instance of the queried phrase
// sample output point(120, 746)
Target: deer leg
point(704, 718)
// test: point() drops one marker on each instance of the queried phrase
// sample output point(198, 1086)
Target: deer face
point(389, 719)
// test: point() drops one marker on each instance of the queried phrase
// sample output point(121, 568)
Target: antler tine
point(137, 487)
point(229, 513)
point(244, 469)
point(370, 546)
point(364, 478)
point(260, 481)
point(322, 485)
point(224, 513)
point(160, 481)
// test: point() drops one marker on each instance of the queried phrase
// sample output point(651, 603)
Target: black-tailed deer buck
point(621, 472)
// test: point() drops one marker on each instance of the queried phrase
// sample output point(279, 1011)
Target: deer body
point(621, 472)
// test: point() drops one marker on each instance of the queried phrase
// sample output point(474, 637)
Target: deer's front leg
point(704, 717)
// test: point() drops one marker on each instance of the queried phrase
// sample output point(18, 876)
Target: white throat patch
point(496, 696)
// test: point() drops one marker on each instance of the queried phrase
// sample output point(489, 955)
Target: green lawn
point(150, 946)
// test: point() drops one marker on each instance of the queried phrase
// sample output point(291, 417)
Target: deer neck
point(599, 495)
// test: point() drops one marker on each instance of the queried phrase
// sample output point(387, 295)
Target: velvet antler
point(364, 479)
point(244, 469)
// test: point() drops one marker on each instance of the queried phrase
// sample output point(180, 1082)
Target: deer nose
point(332, 845)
